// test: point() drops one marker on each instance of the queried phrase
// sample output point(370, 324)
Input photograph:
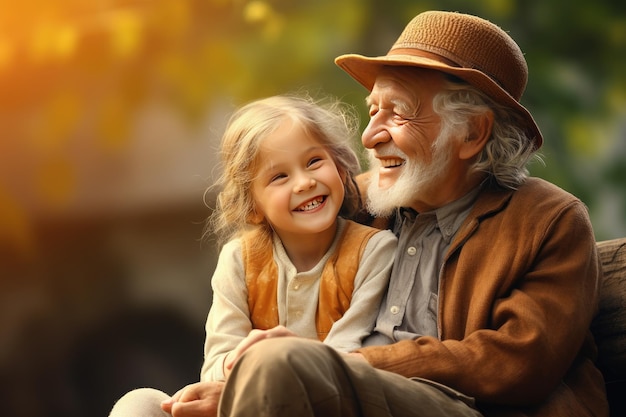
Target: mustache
point(390, 152)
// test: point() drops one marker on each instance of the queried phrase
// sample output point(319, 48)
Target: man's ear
point(479, 132)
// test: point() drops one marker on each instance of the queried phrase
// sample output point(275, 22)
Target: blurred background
point(110, 116)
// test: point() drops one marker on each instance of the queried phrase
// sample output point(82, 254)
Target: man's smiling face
point(409, 153)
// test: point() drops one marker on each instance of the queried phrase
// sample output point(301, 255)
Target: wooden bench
point(609, 327)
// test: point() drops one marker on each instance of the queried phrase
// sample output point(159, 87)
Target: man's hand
point(196, 400)
point(253, 337)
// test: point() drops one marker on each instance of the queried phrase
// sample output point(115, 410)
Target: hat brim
point(365, 69)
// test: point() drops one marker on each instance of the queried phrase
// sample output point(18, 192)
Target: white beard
point(416, 178)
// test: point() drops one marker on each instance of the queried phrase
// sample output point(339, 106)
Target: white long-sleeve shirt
point(228, 321)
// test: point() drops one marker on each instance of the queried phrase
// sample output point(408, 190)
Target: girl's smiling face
point(297, 187)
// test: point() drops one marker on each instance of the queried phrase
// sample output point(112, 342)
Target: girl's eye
point(277, 177)
point(315, 161)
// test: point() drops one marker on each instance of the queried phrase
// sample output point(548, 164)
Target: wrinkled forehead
point(405, 85)
point(409, 77)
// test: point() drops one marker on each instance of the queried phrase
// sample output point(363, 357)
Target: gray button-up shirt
point(409, 309)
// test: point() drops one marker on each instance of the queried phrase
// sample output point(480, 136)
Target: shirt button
point(411, 251)
point(296, 287)
point(394, 309)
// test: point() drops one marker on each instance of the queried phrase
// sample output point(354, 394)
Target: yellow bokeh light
point(66, 40)
point(7, 52)
point(126, 31)
point(257, 11)
point(41, 42)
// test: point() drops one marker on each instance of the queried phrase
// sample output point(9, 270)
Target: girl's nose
point(304, 183)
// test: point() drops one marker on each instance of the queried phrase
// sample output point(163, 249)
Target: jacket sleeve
point(228, 321)
point(515, 308)
point(370, 284)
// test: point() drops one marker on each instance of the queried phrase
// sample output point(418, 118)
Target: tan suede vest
point(336, 283)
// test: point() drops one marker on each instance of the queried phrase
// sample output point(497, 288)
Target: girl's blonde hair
point(330, 122)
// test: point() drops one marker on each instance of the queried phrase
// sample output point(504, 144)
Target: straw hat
point(466, 46)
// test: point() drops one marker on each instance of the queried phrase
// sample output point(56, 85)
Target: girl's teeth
point(311, 205)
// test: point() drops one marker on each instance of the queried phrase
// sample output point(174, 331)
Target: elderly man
point(496, 275)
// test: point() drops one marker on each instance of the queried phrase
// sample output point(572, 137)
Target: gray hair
point(509, 149)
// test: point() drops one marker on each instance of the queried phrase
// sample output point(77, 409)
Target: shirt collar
point(449, 217)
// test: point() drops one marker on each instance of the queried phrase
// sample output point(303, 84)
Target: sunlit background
point(110, 115)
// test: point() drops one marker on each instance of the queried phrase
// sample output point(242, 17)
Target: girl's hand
point(196, 400)
point(253, 337)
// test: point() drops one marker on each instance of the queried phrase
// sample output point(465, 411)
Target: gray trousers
point(297, 377)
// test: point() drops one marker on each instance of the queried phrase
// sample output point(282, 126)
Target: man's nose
point(375, 133)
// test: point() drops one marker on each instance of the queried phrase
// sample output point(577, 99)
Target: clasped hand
point(202, 398)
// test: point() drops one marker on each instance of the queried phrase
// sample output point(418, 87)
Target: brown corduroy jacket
point(518, 291)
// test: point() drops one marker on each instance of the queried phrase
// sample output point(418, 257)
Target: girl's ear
point(255, 217)
point(477, 136)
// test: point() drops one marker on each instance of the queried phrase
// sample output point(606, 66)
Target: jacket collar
point(491, 200)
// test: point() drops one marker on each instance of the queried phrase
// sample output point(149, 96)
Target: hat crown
point(469, 42)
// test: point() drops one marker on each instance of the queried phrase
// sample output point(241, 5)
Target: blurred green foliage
point(74, 74)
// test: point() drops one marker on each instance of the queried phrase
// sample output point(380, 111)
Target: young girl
point(291, 264)
point(291, 259)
